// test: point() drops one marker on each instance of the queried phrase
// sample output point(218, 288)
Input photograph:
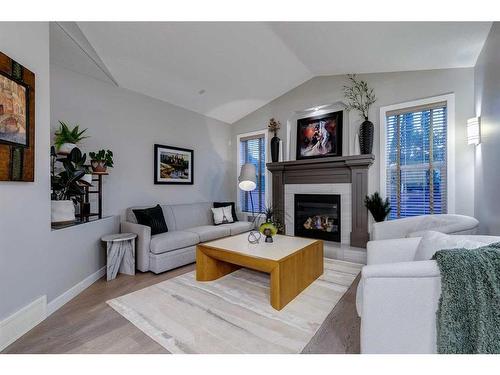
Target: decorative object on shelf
point(173, 165)
point(66, 139)
point(377, 206)
point(360, 97)
point(274, 126)
point(66, 186)
point(120, 254)
point(268, 228)
point(17, 121)
point(101, 160)
point(319, 136)
point(474, 131)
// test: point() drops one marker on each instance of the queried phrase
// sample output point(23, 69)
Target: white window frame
point(450, 142)
point(238, 158)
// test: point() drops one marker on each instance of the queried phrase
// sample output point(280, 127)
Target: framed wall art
point(173, 165)
point(17, 121)
point(319, 136)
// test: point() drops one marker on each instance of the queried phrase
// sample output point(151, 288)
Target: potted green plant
point(67, 138)
point(67, 185)
point(377, 206)
point(360, 97)
point(268, 228)
point(101, 160)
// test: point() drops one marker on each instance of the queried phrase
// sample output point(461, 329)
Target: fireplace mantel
point(338, 169)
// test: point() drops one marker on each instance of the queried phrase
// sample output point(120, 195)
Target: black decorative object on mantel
point(366, 137)
point(275, 141)
point(360, 97)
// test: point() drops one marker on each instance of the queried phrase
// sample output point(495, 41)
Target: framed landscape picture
point(13, 111)
point(173, 165)
point(319, 136)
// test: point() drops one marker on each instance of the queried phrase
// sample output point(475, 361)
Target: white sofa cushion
point(238, 227)
point(210, 232)
point(434, 241)
point(222, 215)
point(169, 241)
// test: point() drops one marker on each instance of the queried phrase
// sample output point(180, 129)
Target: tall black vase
point(366, 137)
point(275, 149)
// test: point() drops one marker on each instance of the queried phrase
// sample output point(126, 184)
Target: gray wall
point(25, 206)
point(34, 260)
point(487, 95)
point(390, 88)
point(129, 124)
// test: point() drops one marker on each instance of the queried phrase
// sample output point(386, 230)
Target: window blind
point(416, 150)
point(253, 150)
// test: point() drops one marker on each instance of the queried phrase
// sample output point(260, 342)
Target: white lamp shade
point(474, 131)
point(248, 177)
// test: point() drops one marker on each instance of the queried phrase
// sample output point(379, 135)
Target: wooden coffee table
point(292, 262)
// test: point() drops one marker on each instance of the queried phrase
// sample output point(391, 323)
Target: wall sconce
point(474, 131)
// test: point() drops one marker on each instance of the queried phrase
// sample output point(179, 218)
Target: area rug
point(233, 314)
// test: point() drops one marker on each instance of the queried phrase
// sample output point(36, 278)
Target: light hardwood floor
point(88, 325)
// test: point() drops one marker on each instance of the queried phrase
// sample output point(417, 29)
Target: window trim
point(450, 142)
point(239, 138)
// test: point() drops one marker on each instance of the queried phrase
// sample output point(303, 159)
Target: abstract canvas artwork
point(319, 136)
point(13, 112)
point(173, 165)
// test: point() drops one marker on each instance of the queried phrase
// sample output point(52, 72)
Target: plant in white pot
point(101, 160)
point(66, 139)
point(67, 185)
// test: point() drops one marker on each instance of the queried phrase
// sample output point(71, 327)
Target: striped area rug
point(233, 314)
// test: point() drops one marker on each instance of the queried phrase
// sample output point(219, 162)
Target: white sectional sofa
point(415, 226)
point(188, 225)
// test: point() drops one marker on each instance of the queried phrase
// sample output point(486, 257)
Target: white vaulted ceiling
point(226, 70)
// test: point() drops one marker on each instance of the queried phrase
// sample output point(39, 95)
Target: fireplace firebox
point(317, 216)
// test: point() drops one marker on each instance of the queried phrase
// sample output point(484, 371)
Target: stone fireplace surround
point(335, 170)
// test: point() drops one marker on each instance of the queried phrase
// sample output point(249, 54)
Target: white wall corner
point(23, 320)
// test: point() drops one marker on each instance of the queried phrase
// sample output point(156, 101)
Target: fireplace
point(317, 216)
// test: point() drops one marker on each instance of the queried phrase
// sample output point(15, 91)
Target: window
point(252, 149)
point(416, 160)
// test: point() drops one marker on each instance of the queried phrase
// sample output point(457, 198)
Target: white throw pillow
point(222, 215)
point(434, 241)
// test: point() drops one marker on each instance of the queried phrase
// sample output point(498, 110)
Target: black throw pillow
point(225, 204)
point(153, 218)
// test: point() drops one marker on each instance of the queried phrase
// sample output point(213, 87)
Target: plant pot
point(269, 230)
point(65, 148)
point(275, 149)
point(98, 166)
point(366, 137)
point(87, 179)
point(62, 212)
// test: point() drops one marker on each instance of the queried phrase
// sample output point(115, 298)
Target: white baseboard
point(22, 321)
point(68, 295)
point(31, 315)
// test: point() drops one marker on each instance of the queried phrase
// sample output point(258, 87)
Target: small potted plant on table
point(101, 160)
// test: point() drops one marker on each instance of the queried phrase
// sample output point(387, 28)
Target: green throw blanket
point(468, 317)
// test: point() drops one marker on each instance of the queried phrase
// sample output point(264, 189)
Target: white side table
point(120, 254)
